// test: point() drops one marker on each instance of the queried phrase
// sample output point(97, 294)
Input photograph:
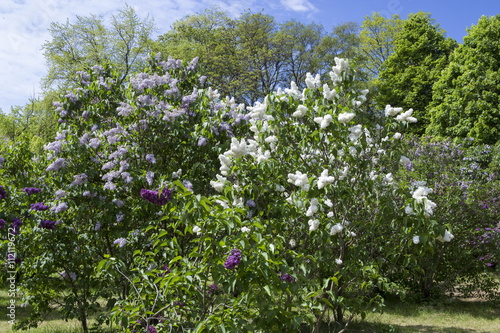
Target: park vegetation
point(245, 175)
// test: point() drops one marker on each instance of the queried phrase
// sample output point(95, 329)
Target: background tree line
point(453, 88)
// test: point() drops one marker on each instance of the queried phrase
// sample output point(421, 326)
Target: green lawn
point(53, 324)
point(449, 316)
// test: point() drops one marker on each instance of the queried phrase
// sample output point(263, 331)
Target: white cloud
point(299, 5)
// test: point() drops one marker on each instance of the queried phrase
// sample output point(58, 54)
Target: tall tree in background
point(33, 123)
point(252, 55)
point(261, 54)
point(376, 41)
point(209, 35)
point(421, 52)
point(342, 42)
point(466, 99)
point(299, 43)
point(90, 41)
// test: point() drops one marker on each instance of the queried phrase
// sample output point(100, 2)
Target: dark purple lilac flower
point(47, 224)
point(233, 260)
point(179, 304)
point(3, 194)
point(40, 206)
point(16, 223)
point(152, 329)
point(2, 223)
point(166, 270)
point(31, 190)
point(213, 289)
point(156, 198)
point(287, 278)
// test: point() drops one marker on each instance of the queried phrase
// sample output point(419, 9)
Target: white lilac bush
point(188, 212)
point(307, 222)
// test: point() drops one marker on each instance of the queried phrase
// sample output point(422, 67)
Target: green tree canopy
point(421, 52)
point(91, 41)
point(252, 55)
point(376, 41)
point(466, 99)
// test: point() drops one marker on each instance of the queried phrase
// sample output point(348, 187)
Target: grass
point(447, 316)
point(53, 324)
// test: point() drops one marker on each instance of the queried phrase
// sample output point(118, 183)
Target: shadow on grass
point(53, 323)
point(386, 328)
point(489, 310)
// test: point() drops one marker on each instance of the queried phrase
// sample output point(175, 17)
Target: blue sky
point(24, 24)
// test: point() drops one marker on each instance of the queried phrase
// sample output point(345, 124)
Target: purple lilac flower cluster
point(287, 277)
point(16, 223)
point(152, 329)
point(2, 223)
point(39, 206)
point(156, 198)
point(47, 224)
point(213, 289)
point(233, 260)
point(166, 270)
point(31, 190)
point(3, 194)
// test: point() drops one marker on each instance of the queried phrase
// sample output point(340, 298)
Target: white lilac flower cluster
point(341, 66)
point(299, 179)
point(405, 117)
point(324, 179)
point(313, 208)
point(420, 196)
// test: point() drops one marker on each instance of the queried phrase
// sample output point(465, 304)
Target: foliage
point(111, 143)
point(34, 123)
point(186, 211)
point(465, 192)
point(466, 97)
point(376, 41)
point(305, 247)
point(421, 52)
point(92, 41)
point(252, 55)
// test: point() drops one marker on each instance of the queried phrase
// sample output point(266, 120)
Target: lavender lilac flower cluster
point(156, 198)
point(233, 260)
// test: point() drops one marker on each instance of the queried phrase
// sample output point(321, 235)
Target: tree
point(299, 43)
point(466, 98)
point(341, 42)
point(421, 52)
point(211, 37)
point(33, 123)
point(90, 41)
point(376, 41)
